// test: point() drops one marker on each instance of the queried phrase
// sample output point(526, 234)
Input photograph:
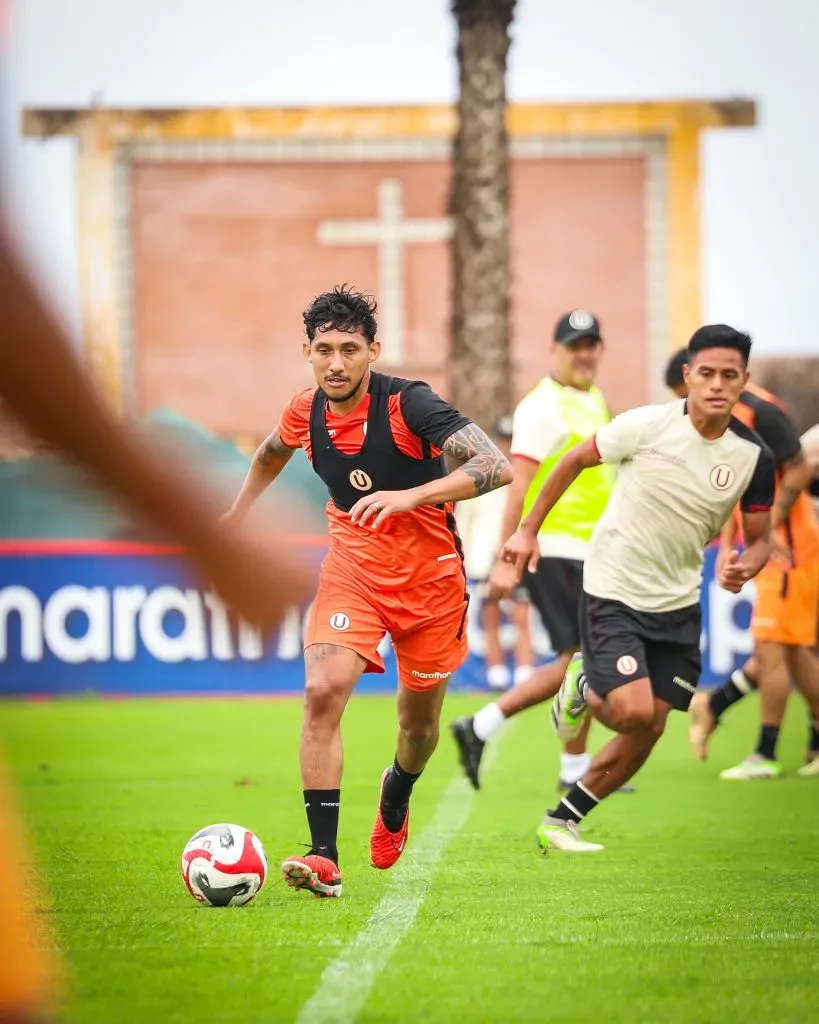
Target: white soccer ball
point(224, 865)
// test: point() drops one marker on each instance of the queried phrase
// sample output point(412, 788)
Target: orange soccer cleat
point(385, 846)
point(318, 875)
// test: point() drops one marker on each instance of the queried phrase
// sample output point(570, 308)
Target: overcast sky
point(760, 202)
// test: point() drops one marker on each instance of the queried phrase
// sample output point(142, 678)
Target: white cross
point(390, 232)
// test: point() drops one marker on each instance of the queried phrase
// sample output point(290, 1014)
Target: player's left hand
point(380, 505)
point(733, 575)
point(523, 551)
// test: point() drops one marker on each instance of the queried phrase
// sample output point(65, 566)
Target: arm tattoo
point(272, 447)
point(480, 459)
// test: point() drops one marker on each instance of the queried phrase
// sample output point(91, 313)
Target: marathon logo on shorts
point(430, 675)
point(685, 684)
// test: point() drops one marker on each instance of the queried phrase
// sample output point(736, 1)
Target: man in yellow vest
point(564, 409)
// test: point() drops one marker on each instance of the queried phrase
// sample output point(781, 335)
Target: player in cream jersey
point(673, 493)
point(683, 467)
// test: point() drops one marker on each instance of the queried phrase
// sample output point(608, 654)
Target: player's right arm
point(270, 458)
point(44, 385)
point(538, 433)
point(522, 548)
point(615, 442)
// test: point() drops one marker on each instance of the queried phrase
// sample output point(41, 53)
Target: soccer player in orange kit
point(394, 565)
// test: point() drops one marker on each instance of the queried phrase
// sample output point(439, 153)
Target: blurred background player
point(479, 525)
point(394, 565)
point(810, 446)
point(784, 621)
point(565, 408)
point(42, 383)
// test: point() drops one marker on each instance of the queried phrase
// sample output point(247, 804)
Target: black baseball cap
point(576, 325)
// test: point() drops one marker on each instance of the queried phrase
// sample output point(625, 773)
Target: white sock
point(498, 677)
point(741, 681)
point(573, 767)
point(523, 673)
point(487, 721)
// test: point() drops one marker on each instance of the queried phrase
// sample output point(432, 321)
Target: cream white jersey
point(674, 492)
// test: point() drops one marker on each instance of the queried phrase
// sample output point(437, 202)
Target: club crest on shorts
point(626, 665)
point(360, 480)
point(580, 320)
point(339, 621)
point(722, 476)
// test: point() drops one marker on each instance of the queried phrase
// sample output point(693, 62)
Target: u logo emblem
point(360, 480)
point(722, 476)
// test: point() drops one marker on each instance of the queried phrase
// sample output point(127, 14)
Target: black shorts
point(555, 589)
point(620, 645)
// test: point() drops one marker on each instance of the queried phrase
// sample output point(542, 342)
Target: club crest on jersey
point(580, 320)
point(360, 480)
point(627, 665)
point(722, 476)
point(340, 621)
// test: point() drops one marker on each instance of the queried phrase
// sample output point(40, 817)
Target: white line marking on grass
point(348, 980)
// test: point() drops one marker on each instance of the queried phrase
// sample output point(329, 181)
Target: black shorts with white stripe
point(621, 645)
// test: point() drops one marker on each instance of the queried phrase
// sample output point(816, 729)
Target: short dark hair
point(720, 336)
point(342, 309)
point(673, 369)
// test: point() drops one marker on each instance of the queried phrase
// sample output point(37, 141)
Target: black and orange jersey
point(407, 549)
point(764, 413)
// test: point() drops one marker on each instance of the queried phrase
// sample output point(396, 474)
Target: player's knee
point(418, 732)
point(324, 699)
point(632, 716)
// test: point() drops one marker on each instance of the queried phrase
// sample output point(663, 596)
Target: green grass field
point(703, 908)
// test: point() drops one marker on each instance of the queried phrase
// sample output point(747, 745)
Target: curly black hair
point(342, 309)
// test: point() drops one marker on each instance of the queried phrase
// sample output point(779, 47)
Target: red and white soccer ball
point(224, 866)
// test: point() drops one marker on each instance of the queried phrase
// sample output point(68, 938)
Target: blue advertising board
point(115, 618)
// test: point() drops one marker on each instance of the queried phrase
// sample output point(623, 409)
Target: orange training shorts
point(427, 624)
point(787, 605)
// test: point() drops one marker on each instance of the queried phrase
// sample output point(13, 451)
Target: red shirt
point(408, 548)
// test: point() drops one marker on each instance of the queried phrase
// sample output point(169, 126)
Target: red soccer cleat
point(318, 875)
point(385, 846)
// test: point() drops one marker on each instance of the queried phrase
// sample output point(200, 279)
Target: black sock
point(768, 736)
point(395, 796)
point(322, 806)
point(813, 738)
point(575, 805)
point(732, 690)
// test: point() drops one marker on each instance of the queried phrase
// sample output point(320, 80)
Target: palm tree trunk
point(479, 205)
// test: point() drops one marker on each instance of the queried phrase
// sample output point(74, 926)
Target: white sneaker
point(753, 767)
point(557, 834)
point(811, 769)
point(569, 710)
point(499, 677)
